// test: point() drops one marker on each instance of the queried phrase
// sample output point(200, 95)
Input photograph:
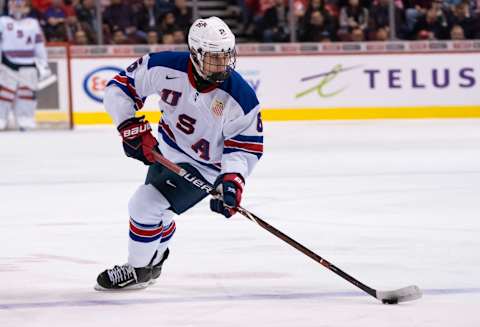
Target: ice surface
point(392, 203)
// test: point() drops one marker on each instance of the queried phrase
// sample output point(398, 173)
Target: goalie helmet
point(212, 48)
point(17, 8)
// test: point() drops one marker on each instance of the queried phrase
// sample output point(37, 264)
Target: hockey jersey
point(218, 130)
point(21, 40)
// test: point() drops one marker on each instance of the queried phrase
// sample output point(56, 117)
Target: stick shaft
point(287, 239)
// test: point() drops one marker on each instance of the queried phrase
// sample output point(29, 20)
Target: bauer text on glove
point(138, 141)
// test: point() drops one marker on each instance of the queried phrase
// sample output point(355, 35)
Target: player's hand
point(230, 185)
point(138, 141)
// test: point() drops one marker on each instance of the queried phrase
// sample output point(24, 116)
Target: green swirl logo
point(326, 79)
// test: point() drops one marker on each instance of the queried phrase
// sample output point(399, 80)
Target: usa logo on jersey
point(217, 107)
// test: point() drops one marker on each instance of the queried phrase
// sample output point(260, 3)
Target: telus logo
point(437, 78)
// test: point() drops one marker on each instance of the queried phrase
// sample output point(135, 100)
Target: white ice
point(393, 203)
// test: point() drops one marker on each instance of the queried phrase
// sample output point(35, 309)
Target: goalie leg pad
point(8, 91)
point(5, 106)
point(24, 108)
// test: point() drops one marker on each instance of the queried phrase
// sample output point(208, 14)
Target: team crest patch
point(217, 107)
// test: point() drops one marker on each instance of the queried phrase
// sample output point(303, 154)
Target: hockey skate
point(127, 277)
point(124, 277)
point(157, 269)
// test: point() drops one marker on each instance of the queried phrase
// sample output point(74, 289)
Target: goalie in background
point(24, 63)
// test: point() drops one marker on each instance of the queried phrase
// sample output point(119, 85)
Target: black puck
point(390, 301)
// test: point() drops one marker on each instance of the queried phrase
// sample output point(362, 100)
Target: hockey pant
point(152, 208)
point(18, 98)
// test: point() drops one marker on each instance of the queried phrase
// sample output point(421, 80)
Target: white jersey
point(218, 130)
point(21, 40)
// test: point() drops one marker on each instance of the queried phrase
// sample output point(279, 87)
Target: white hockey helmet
point(17, 8)
point(212, 48)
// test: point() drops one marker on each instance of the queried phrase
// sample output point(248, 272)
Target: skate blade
point(134, 287)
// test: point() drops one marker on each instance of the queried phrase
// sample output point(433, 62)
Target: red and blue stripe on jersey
point(248, 144)
point(127, 85)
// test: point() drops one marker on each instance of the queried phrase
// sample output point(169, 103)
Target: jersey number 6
point(134, 66)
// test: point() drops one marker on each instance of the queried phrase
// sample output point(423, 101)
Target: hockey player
point(24, 58)
point(210, 126)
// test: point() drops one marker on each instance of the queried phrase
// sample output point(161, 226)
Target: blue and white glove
point(230, 185)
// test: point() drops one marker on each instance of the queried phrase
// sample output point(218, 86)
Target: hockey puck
point(390, 301)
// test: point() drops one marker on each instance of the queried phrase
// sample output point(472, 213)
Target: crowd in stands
point(167, 21)
point(364, 20)
point(124, 22)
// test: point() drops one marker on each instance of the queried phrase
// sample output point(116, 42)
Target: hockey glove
point(230, 185)
point(138, 141)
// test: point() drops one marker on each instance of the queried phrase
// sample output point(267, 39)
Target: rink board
point(91, 118)
point(314, 87)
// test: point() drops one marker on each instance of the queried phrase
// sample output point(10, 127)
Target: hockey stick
point(405, 294)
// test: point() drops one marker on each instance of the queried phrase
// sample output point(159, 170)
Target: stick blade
point(405, 294)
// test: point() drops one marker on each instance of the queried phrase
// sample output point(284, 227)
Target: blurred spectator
point(41, 5)
point(183, 15)
point(357, 35)
point(68, 7)
point(299, 9)
point(34, 13)
point(352, 17)
point(380, 18)
point(71, 21)
point(167, 38)
point(118, 16)
point(55, 28)
point(148, 17)
point(164, 6)
point(168, 23)
point(415, 9)
point(430, 27)
point(381, 34)
point(318, 28)
point(452, 3)
point(241, 11)
point(86, 12)
point(81, 38)
point(119, 37)
point(152, 37)
point(456, 33)
point(259, 7)
point(274, 24)
point(178, 36)
point(461, 15)
point(317, 24)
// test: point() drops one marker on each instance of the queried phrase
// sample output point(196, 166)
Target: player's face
point(215, 63)
point(17, 7)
